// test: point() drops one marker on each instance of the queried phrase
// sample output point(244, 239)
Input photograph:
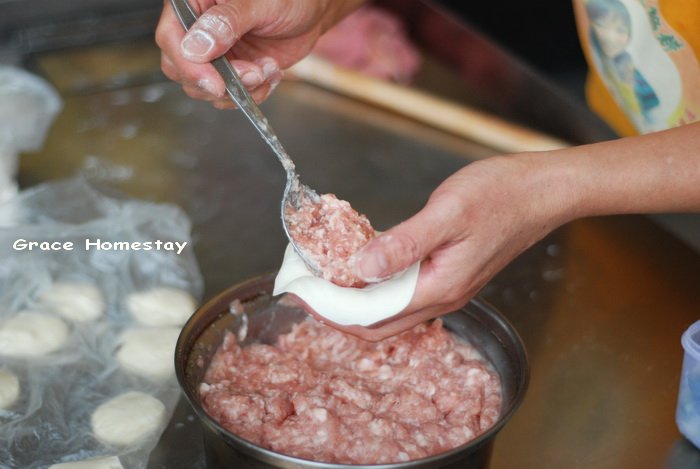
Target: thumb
point(398, 248)
point(216, 31)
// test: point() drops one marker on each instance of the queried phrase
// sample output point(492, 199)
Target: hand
point(489, 212)
point(259, 37)
point(474, 223)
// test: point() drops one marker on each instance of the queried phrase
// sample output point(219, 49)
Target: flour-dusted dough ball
point(9, 389)
point(109, 462)
point(74, 301)
point(128, 418)
point(31, 333)
point(162, 306)
point(149, 351)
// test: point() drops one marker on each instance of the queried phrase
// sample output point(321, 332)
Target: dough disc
point(9, 389)
point(149, 351)
point(346, 306)
point(162, 306)
point(109, 462)
point(127, 419)
point(31, 333)
point(74, 301)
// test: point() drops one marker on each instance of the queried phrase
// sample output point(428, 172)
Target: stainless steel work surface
point(600, 303)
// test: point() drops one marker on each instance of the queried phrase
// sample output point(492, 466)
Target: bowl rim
point(181, 357)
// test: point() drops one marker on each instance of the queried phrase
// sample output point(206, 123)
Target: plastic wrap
point(50, 421)
point(28, 105)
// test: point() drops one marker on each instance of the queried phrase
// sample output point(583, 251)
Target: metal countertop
point(600, 303)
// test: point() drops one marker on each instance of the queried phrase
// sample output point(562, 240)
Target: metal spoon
point(295, 193)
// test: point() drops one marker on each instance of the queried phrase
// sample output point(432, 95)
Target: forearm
point(659, 172)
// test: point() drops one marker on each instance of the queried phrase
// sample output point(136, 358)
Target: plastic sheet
point(50, 421)
point(28, 105)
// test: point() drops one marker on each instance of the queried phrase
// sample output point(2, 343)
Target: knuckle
point(191, 92)
point(169, 69)
point(404, 249)
point(451, 298)
point(160, 37)
point(451, 202)
point(262, 93)
point(219, 21)
point(222, 105)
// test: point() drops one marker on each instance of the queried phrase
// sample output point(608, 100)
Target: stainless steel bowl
point(265, 318)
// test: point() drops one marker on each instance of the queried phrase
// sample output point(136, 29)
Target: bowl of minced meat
point(273, 387)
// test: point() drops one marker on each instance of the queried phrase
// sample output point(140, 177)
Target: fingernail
point(251, 79)
point(197, 43)
point(269, 68)
point(371, 266)
point(207, 85)
point(274, 82)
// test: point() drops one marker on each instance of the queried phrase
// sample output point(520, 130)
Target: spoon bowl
point(297, 195)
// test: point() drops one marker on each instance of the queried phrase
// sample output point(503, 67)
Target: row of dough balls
point(108, 462)
point(147, 352)
point(82, 302)
point(33, 333)
point(123, 421)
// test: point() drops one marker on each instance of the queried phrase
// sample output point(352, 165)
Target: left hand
point(489, 212)
point(473, 225)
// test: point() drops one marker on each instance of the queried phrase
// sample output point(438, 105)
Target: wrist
point(552, 186)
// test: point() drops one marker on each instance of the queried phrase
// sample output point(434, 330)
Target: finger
point(264, 92)
point(365, 333)
point(197, 92)
point(271, 71)
point(208, 89)
point(404, 321)
point(259, 77)
point(224, 104)
point(259, 95)
point(169, 68)
point(171, 37)
point(217, 30)
point(388, 328)
point(396, 326)
point(355, 330)
point(250, 73)
point(169, 34)
point(407, 243)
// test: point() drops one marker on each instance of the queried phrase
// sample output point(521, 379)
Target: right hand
point(259, 37)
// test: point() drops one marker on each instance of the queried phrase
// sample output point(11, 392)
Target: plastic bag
point(28, 105)
point(50, 421)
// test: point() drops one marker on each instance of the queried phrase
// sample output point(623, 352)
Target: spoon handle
point(237, 91)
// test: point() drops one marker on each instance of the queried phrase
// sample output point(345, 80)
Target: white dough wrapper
point(341, 305)
point(162, 306)
point(149, 351)
point(109, 462)
point(75, 301)
point(9, 389)
point(127, 419)
point(32, 333)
